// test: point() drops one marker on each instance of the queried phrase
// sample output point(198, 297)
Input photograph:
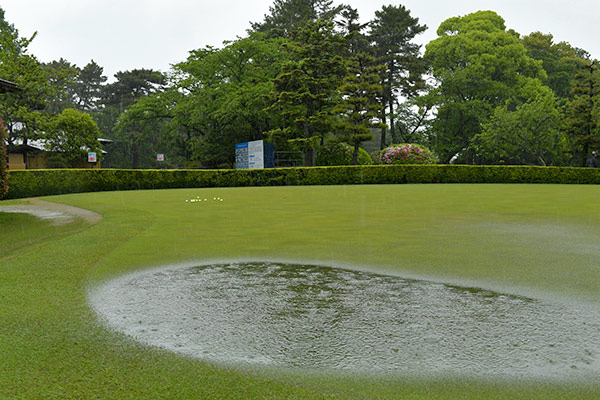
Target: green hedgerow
point(332, 154)
point(405, 153)
point(3, 168)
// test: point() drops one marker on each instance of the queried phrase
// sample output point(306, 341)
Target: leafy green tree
point(530, 134)
point(73, 134)
point(216, 98)
point(339, 153)
point(145, 125)
point(392, 33)
point(583, 115)
point(129, 87)
point(306, 92)
point(560, 61)
point(24, 111)
point(478, 66)
point(226, 97)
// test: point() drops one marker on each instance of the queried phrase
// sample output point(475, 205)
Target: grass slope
point(525, 239)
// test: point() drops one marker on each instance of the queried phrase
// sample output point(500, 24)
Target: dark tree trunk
point(134, 155)
point(355, 154)
point(391, 117)
point(309, 153)
point(383, 129)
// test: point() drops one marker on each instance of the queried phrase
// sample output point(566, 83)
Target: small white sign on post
point(160, 157)
point(92, 157)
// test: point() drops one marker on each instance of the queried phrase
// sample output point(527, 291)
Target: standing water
point(323, 318)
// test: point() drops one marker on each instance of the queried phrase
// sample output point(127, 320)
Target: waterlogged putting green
point(323, 318)
point(538, 242)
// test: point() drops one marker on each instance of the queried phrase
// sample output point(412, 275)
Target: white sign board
point(250, 155)
point(92, 157)
point(160, 157)
point(256, 155)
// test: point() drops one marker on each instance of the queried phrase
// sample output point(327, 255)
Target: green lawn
point(536, 240)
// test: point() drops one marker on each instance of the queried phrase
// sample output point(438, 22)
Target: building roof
point(7, 86)
point(38, 145)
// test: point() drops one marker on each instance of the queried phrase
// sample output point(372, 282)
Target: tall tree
point(478, 66)
point(141, 130)
point(24, 111)
point(306, 91)
point(359, 107)
point(62, 77)
point(583, 115)
point(132, 85)
point(392, 33)
point(288, 16)
point(361, 88)
point(560, 61)
point(529, 133)
point(89, 86)
point(226, 97)
point(129, 87)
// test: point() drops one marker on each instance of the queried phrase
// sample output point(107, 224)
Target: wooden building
point(35, 155)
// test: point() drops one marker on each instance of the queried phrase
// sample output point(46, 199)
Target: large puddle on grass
point(322, 318)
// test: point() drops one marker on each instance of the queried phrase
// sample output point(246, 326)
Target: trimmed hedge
point(31, 183)
point(3, 170)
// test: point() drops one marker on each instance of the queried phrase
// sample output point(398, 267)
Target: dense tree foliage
point(528, 134)
point(89, 86)
point(559, 60)
point(129, 88)
point(22, 111)
point(286, 17)
point(62, 76)
point(478, 66)
point(72, 134)
point(305, 94)
point(312, 74)
point(583, 112)
point(223, 98)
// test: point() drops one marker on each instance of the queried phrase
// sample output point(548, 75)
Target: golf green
point(539, 241)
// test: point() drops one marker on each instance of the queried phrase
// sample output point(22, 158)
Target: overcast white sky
point(126, 34)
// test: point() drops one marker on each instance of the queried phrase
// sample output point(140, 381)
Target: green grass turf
point(540, 240)
point(24, 232)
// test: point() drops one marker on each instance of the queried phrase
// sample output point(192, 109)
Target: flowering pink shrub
point(404, 153)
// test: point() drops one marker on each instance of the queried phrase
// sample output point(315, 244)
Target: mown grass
point(541, 240)
point(24, 231)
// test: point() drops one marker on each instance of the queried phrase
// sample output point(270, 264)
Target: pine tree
point(392, 32)
point(583, 120)
point(289, 16)
point(306, 91)
point(361, 88)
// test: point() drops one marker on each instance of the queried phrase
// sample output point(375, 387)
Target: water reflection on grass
point(324, 318)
